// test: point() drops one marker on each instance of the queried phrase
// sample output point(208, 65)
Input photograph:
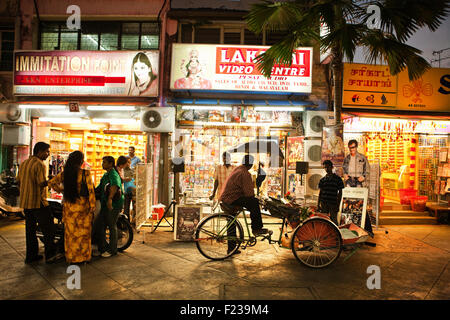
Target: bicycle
point(316, 241)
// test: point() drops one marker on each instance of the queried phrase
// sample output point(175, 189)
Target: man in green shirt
point(111, 205)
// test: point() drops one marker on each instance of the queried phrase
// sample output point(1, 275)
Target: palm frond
point(403, 18)
point(387, 48)
point(273, 16)
point(280, 53)
point(346, 37)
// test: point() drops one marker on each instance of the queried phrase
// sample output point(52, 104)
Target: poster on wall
point(86, 73)
point(233, 68)
point(186, 220)
point(333, 146)
point(353, 206)
point(295, 151)
point(144, 193)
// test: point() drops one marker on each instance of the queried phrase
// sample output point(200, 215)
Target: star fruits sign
point(233, 68)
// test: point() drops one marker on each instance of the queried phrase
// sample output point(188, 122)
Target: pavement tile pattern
point(413, 260)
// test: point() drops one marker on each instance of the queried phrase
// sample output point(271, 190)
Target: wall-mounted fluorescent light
point(64, 120)
point(236, 124)
point(66, 113)
point(111, 108)
point(291, 109)
point(43, 106)
point(218, 108)
point(117, 121)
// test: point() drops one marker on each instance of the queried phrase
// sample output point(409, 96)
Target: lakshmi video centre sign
point(373, 86)
point(86, 73)
point(233, 68)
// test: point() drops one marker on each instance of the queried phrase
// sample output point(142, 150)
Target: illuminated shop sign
point(233, 68)
point(94, 73)
point(373, 86)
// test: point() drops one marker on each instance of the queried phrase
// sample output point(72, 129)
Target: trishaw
point(316, 241)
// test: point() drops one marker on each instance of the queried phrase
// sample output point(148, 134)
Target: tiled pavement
point(413, 261)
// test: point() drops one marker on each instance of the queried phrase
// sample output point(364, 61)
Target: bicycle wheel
point(214, 239)
point(317, 243)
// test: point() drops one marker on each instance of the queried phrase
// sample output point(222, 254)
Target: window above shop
point(100, 35)
point(225, 34)
point(6, 48)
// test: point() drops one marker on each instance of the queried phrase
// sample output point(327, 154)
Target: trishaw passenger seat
point(230, 209)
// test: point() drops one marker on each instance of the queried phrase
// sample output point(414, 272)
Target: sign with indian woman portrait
point(233, 68)
point(86, 73)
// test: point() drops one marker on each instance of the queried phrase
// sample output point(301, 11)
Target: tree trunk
point(337, 68)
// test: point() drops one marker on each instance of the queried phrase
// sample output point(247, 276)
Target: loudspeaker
point(177, 165)
point(301, 167)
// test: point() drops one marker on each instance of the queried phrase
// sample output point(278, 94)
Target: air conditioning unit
point(312, 181)
point(312, 150)
point(158, 119)
point(16, 135)
point(316, 120)
point(11, 113)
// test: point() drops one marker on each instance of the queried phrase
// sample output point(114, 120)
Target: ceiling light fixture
point(290, 109)
point(43, 106)
point(218, 108)
point(111, 108)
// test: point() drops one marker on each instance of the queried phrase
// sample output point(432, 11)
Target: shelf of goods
point(429, 147)
point(98, 145)
point(95, 146)
point(395, 152)
point(202, 152)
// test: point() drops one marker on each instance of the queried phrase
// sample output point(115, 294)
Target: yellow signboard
point(373, 86)
point(431, 92)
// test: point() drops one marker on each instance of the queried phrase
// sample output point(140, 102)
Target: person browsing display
point(221, 173)
point(112, 200)
point(78, 207)
point(134, 159)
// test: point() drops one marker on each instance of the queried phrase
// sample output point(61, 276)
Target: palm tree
point(348, 29)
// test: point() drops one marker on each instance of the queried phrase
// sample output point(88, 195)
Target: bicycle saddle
point(230, 209)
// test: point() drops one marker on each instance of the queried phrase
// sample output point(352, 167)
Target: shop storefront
point(88, 101)
point(402, 125)
point(263, 127)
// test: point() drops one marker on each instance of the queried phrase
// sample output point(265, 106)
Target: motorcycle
point(124, 228)
point(9, 194)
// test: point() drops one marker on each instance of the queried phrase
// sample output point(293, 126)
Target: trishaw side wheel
point(316, 243)
point(214, 238)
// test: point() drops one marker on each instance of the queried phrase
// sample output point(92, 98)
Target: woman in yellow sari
point(78, 207)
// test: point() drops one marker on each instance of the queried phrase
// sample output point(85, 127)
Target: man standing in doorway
point(134, 159)
point(33, 199)
point(356, 166)
point(221, 175)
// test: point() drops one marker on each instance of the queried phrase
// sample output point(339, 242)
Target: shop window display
point(202, 149)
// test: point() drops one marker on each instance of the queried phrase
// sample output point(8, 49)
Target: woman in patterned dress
point(78, 207)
